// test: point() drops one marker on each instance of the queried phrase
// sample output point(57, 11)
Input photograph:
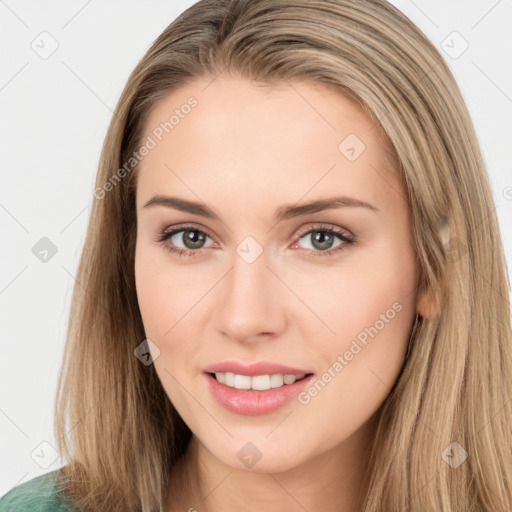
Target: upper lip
point(259, 368)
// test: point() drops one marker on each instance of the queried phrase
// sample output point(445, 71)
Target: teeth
point(257, 382)
point(289, 379)
point(276, 381)
point(260, 382)
point(242, 382)
point(229, 379)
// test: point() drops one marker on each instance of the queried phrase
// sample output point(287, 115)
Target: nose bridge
point(250, 303)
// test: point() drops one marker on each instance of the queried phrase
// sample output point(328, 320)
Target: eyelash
point(164, 236)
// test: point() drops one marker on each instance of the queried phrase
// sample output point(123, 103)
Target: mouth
point(254, 395)
point(262, 382)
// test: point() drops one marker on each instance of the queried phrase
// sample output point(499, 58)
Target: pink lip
point(261, 368)
point(253, 402)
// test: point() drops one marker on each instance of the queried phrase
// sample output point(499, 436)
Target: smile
point(256, 382)
point(250, 401)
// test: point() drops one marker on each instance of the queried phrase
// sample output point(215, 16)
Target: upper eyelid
point(184, 227)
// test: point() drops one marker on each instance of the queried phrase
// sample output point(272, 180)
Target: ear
point(427, 304)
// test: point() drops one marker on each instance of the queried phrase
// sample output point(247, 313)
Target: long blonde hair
point(114, 423)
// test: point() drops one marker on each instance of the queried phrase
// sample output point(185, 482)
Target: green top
point(36, 495)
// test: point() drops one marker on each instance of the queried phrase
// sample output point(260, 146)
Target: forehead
point(238, 136)
point(234, 105)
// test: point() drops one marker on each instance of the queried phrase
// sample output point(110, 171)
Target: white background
point(54, 116)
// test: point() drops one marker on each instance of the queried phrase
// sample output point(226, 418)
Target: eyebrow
point(284, 212)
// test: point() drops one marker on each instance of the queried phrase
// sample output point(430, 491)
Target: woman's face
point(327, 289)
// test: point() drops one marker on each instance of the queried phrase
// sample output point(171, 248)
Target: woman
point(294, 293)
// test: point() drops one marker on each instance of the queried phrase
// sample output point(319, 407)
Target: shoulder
point(36, 495)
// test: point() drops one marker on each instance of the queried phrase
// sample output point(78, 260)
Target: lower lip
point(252, 402)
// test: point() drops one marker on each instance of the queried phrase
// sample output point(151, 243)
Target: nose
point(250, 304)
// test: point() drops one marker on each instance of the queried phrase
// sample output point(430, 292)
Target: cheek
point(164, 299)
point(366, 293)
point(151, 297)
point(371, 310)
point(368, 303)
point(374, 304)
point(361, 361)
point(166, 293)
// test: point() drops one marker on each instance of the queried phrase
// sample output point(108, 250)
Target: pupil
point(322, 240)
point(193, 239)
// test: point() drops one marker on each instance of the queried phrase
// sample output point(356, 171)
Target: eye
point(322, 240)
point(191, 238)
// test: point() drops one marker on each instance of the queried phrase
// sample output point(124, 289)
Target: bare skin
point(244, 151)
